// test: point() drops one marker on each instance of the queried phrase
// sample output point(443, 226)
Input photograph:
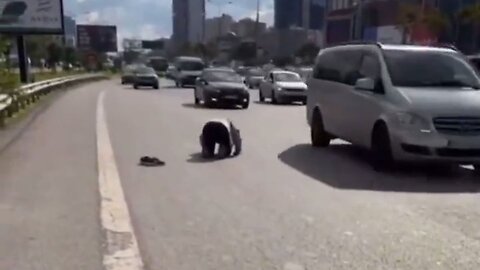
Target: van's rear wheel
point(382, 158)
point(318, 135)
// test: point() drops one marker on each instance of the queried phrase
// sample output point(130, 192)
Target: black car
point(145, 76)
point(220, 85)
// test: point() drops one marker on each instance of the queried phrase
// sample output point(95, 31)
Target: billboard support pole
point(22, 59)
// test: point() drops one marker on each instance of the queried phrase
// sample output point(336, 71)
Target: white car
point(283, 86)
point(403, 102)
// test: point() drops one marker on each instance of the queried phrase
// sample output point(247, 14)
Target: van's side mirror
point(366, 84)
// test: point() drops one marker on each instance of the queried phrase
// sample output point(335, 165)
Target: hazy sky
point(148, 19)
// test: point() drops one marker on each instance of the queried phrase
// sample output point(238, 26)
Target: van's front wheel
point(318, 135)
point(382, 157)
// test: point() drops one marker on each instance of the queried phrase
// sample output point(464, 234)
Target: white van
point(405, 103)
point(186, 70)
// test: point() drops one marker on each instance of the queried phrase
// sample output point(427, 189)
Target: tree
point(411, 15)
point(54, 55)
point(408, 17)
point(435, 21)
point(130, 56)
point(8, 80)
point(308, 52)
point(471, 15)
point(70, 55)
point(36, 47)
point(245, 51)
point(199, 49)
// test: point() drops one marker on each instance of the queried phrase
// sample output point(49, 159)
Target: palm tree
point(409, 16)
point(412, 15)
point(471, 15)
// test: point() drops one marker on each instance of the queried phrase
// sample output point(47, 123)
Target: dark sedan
point(221, 86)
point(145, 76)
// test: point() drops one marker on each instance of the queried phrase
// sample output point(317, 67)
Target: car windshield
point(429, 69)
point(191, 66)
point(287, 77)
point(222, 76)
point(145, 70)
point(255, 72)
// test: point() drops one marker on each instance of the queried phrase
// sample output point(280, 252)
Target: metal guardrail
point(26, 94)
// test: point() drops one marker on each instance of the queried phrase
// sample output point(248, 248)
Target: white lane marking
point(121, 247)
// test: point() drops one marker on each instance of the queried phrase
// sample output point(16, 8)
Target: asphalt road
point(280, 205)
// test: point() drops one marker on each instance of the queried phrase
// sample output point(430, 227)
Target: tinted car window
point(287, 77)
point(191, 66)
point(370, 67)
point(429, 69)
point(145, 70)
point(221, 76)
point(337, 65)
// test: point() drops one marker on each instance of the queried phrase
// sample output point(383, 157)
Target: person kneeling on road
point(223, 133)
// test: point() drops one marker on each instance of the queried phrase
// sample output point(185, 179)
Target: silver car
point(283, 86)
point(405, 103)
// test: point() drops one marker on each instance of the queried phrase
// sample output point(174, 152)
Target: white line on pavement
point(121, 250)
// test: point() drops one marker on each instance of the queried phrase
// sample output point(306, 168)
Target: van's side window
point(370, 67)
point(326, 68)
point(339, 66)
point(349, 62)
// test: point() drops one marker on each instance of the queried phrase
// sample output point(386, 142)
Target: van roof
point(416, 48)
point(407, 47)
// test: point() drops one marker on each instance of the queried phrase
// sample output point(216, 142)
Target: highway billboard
point(97, 38)
point(31, 16)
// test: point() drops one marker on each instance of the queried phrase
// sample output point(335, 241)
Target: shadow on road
point(175, 87)
point(202, 107)
point(197, 158)
point(279, 104)
point(345, 166)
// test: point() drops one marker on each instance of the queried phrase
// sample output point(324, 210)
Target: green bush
point(9, 81)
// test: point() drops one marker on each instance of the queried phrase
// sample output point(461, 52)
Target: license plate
point(230, 97)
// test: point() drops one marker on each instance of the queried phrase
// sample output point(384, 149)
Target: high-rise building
point(288, 13)
point(196, 20)
point(315, 14)
point(70, 31)
point(188, 21)
point(308, 14)
point(180, 21)
point(246, 28)
point(218, 26)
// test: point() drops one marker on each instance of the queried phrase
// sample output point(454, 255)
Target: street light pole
point(257, 22)
point(359, 20)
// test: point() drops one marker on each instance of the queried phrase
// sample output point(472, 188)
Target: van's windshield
point(429, 69)
point(191, 66)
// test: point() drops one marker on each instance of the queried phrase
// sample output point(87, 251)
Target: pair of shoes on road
point(151, 162)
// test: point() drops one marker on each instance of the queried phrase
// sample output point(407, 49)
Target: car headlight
point(278, 88)
point(411, 120)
